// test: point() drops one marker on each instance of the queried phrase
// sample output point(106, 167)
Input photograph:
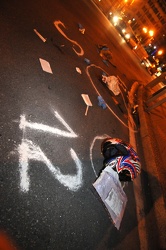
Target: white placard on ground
point(112, 195)
point(86, 99)
point(45, 66)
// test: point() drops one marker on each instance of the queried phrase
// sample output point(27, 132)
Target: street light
point(160, 52)
point(127, 36)
point(148, 37)
point(151, 32)
point(145, 30)
point(116, 19)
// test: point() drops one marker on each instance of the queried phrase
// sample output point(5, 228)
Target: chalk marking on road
point(45, 128)
point(40, 36)
point(122, 84)
point(98, 93)
point(29, 151)
point(130, 118)
point(57, 24)
point(99, 137)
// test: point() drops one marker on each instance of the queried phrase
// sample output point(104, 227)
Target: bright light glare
point(123, 31)
point(151, 32)
point(115, 19)
point(127, 36)
point(145, 30)
point(160, 52)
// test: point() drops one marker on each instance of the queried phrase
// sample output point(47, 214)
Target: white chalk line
point(130, 118)
point(98, 93)
point(45, 128)
point(102, 137)
point(29, 151)
point(57, 24)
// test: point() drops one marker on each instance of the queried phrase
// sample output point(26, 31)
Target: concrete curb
point(148, 142)
point(137, 186)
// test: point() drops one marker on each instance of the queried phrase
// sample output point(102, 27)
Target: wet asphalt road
point(45, 207)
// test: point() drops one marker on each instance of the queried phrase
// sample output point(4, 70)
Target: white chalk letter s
point(57, 24)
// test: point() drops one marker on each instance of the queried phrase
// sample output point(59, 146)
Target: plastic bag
point(112, 83)
point(101, 102)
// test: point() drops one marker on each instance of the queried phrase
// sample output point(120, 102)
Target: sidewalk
point(153, 178)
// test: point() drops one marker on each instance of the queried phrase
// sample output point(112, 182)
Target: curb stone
point(148, 144)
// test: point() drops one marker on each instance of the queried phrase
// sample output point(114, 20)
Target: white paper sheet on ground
point(113, 202)
point(86, 99)
point(87, 102)
point(45, 66)
point(112, 195)
point(78, 70)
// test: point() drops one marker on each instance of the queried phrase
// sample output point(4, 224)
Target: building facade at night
point(150, 14)
point(146, 19)
point(147, 13)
